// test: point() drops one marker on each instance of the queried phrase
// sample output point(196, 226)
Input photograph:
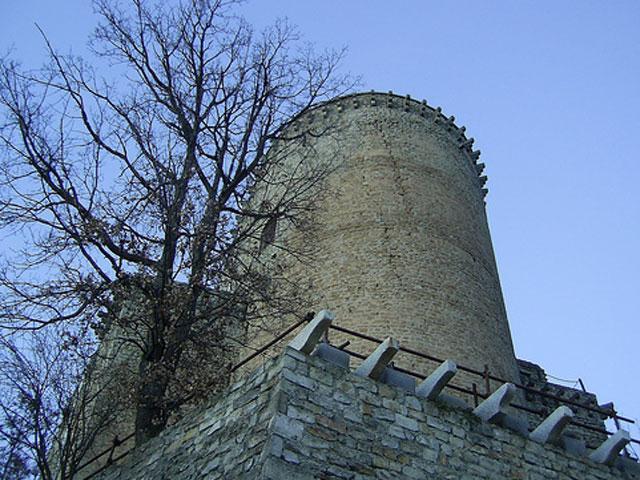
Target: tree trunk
point(151, 411)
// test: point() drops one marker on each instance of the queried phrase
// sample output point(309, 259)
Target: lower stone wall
point(221, 439)
point(534, 376)
point(301, 418)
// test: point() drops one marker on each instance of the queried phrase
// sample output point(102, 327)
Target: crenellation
point(409, 104)
point(467, 143)
point(437, 115)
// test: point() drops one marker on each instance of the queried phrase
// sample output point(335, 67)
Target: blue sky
point(551, 92)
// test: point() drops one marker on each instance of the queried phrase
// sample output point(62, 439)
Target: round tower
point(400, 236)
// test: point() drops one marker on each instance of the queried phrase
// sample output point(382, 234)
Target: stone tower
point(401, 236)
point(396, 243)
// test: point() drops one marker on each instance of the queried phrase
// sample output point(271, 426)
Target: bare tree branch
point(133, 187)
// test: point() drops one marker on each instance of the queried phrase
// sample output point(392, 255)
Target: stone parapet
point(534, 376)
point(301, 418)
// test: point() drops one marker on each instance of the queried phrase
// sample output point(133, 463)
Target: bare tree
point(141, 183)
point(47, 419)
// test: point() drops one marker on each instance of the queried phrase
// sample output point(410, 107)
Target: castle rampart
point(301, 418)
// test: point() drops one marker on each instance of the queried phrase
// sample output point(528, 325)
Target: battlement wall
point(326, 113)
point(534, 376)
point(301, 418)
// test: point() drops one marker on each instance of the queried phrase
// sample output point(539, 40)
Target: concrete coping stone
point(550, 430)
point(374, 365)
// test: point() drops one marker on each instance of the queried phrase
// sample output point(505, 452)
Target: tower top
point(435, 114)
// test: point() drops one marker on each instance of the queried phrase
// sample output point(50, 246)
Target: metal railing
point(485, 375)
point(117, 442)
point(486, 378)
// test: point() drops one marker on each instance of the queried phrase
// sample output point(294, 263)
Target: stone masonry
point(401, 235)
point(298, 417)
point(535, 377)
point(116, 363)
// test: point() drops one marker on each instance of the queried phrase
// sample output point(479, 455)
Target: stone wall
point(300, 418)
point(115, 369)
point(534, 376)
point(223, 438)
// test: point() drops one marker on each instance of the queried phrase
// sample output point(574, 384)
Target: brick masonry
point(299, 418)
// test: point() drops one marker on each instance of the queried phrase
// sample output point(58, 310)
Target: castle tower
point(396, 243)
point(401, 236)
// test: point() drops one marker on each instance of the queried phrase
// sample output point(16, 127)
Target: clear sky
point(551, 92)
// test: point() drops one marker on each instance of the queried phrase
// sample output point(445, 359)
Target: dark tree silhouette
point(45, 431)
point(132, 186)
